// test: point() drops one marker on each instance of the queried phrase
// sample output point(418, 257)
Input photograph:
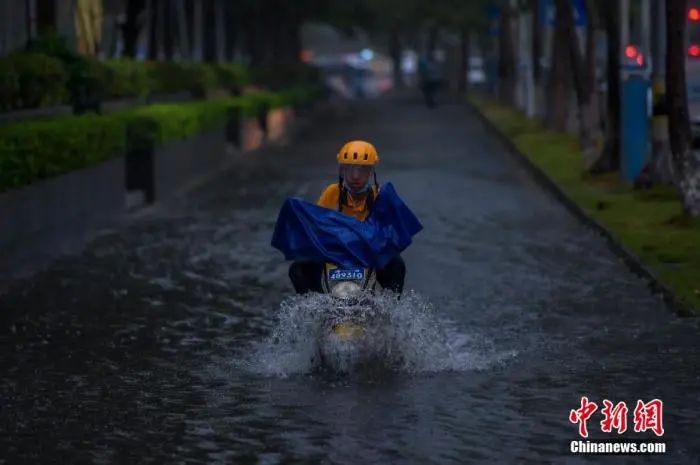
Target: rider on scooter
point(354, 194)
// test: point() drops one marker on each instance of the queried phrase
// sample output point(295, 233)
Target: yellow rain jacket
point(354, 207)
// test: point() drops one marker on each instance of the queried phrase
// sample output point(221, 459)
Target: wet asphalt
point(128, 352)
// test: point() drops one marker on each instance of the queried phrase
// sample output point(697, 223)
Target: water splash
point(400, 335)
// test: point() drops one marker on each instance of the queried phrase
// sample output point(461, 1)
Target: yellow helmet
point(358, 152)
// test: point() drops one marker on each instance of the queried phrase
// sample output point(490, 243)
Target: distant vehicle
point(475, 71)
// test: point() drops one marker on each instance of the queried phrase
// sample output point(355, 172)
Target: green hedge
point(30, 151)
point(9, 85)
point(34, 150)
point(233, 77)
point(156, 124)
point(33, 80)
point(129, 79)
point(170, 77)
point(49, 72)
point(89, 80)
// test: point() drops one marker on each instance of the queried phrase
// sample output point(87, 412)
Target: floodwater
point(177, 339)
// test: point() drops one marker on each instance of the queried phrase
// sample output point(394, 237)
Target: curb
point(631, 260)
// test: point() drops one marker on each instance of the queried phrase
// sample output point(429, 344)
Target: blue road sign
point(548, 12)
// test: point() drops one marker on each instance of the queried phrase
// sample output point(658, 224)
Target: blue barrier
point(635, 126)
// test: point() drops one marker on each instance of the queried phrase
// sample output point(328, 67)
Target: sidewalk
point(646, 226)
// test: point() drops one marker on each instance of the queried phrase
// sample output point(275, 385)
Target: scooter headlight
point(345, 289)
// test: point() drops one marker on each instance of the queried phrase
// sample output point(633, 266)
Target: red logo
point(615, 417)
point(647, 416)
point(582, 415)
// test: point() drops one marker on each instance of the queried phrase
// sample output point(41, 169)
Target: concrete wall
point(57, 215)
point(13, 25)
point(183, 163)
point(16, 26)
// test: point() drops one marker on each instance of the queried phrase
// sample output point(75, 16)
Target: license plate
point(337, 274)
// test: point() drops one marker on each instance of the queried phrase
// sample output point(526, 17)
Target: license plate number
point(347, 275)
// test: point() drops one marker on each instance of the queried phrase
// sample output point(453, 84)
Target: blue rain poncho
point(307, 232)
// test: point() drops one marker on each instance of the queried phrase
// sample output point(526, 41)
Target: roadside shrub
point(129, 79)
point(40, 80)
point(89, 79)
point(169, 77)
point(157, 124)
point(233, 77)
point(35, 150)
point(9, 86)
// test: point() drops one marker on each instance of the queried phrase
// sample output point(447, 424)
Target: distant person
point(430, 78)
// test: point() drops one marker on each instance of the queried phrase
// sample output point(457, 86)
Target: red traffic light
point(694, 50)
point(631, 51)
point(694, 14)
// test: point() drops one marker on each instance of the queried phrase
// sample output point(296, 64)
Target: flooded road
point(172, 340)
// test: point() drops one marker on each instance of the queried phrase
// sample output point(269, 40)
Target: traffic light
point(693, 32)
point(694, 14)
point(633, 53)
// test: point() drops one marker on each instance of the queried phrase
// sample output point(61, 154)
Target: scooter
point(347, 320)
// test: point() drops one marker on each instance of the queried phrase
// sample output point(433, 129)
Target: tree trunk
point(685, 166)
point(506, 59)
point(583, 77)
point(559, 84)
point(153, 29)
point(463, 82)
point(168, 29)
point(536, 42)
point(278, 18)
point(197, 8)
point(252, 26)
point(183, 32)
point(609, 159)
point(132, 26)
point(433, 34)
point(540, 107)
point(295, 40)
point(659, 170)
point(395, 52)
point(45, 16)
point(29, 20)
point(209, 30)
point(230, 32)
